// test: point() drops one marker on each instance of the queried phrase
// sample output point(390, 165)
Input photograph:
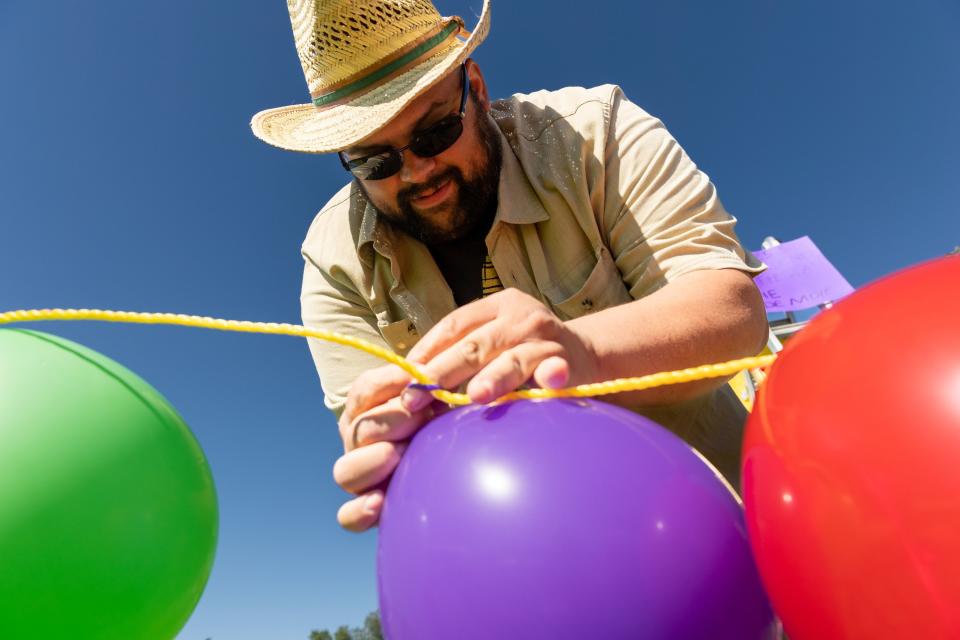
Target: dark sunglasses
point(430, 142)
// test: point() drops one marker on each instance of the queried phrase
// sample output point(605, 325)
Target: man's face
point(445, 197)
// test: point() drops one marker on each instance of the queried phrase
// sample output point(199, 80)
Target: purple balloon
point(562, 519)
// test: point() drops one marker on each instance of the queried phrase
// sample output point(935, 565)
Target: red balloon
point(851, 465)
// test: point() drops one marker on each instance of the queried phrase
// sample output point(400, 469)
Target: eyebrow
point(365, 150)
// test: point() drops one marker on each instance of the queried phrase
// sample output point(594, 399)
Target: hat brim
point(305, 128)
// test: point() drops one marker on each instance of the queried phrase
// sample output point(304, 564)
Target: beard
point(475, 204)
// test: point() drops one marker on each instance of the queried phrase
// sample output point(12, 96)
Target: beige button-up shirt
point(598, 206)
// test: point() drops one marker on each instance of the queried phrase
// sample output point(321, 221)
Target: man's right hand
point(376, 426)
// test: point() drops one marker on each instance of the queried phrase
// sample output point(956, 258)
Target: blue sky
point(129, 180)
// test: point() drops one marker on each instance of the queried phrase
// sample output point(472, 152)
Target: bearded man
point(554, 238)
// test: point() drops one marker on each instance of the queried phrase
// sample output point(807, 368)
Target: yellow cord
point(723, 369)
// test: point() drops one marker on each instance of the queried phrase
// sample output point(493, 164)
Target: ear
point(477, 84)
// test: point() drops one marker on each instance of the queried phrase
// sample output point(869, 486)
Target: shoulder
point(336, 228)
point(586, 112)
point(574, 125)
point(565, 102)
point(333, 241)
point(563, 140)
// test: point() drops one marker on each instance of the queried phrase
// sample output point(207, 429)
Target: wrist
point(586, 367)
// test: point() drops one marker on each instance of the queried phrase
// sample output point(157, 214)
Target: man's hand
point(375, 428)
point(498, 343)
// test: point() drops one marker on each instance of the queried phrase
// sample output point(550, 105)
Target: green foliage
point(371, 630)
point(371, 626)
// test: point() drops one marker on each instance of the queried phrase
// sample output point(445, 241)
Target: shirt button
point(587, 303)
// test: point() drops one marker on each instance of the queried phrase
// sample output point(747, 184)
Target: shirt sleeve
point(662, 216)
point(333, 305)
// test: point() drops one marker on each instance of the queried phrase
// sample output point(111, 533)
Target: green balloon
point(108, 513)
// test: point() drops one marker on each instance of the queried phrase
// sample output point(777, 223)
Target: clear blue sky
point(129, 179)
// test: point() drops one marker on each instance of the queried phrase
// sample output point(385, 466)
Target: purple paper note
point(798, 277)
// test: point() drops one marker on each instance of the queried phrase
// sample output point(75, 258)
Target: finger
point(361, 513)
point(511, 369)
point(391, 421)
point(374, 387)
point(358, 470)
point(454, 326)
point(415, 399)
point(516, 325)
point(473, 352)
point(552, 373)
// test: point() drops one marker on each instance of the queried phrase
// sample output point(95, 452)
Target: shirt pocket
point(400, 335)
point(602, 289)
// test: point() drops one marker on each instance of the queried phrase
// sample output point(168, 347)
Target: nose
point(416, 169)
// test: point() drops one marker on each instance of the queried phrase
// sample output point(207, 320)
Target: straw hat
point(364, 61)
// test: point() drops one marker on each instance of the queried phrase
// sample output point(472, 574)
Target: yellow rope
point(723, 369)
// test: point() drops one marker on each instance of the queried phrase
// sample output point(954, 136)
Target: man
point(613, 252)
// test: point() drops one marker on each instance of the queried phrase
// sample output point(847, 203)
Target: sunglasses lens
point(427, 144)
point(377, 166)
point(438, 138)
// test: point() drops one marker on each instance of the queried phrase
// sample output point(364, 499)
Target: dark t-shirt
point(461, 263)
point(466, 266)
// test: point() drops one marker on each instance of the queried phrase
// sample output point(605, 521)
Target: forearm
point(703, 317)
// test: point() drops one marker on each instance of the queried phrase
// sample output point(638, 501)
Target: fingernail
point(372, 503)
point(556, 380)
point(483, 392)
point(415, 399)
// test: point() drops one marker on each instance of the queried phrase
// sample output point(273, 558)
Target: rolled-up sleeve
point(662, 216)
point(331, 304)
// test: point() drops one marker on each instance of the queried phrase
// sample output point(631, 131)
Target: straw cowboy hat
point(364, 61)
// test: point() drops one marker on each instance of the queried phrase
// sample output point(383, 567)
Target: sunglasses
point(427, 143)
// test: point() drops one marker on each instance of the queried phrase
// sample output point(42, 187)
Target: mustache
point(414, 191)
